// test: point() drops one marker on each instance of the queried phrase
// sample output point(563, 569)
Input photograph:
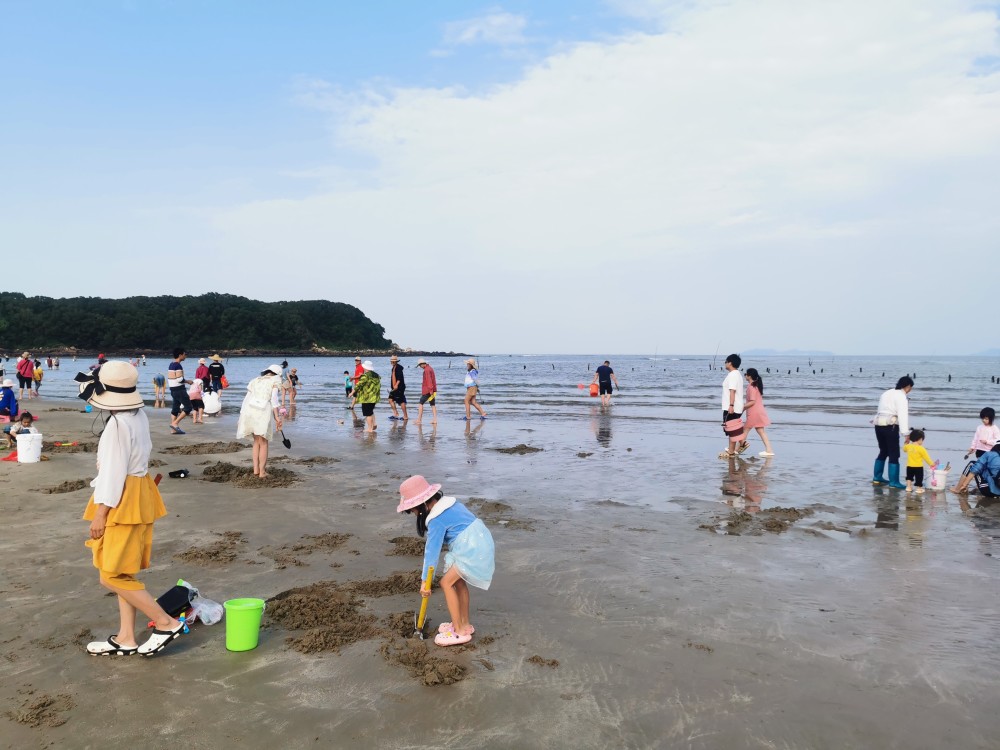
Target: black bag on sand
point(176, 600)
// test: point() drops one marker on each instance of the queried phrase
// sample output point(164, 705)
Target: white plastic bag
point(206, 610)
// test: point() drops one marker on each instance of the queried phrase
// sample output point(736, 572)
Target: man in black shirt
point(603, 377)
point(397, 388)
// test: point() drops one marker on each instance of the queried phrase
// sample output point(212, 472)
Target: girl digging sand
point(469, 558)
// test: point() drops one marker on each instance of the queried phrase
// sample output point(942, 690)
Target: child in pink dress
point(756, 414)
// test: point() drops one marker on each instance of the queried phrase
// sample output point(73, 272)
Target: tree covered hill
point(210, 321)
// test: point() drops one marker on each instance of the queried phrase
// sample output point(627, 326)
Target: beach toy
point(88, 408)
point(418, 624)
point(285, 441)
point(940, 479)
point(29, 447)
point(282, 411)
point(243, 623)
point(594, 390)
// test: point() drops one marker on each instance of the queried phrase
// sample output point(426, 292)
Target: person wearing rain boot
point(892, 416)
point(123, 508)
point(470, 552)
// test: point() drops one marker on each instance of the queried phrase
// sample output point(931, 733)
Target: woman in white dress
point(259, 415)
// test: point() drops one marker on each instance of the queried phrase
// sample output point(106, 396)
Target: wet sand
point(647, 595)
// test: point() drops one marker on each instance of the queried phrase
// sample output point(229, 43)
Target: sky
point(610, 176)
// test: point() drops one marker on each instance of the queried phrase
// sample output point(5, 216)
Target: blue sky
point(585, 176)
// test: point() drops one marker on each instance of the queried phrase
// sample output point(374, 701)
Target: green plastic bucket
point(243, 623)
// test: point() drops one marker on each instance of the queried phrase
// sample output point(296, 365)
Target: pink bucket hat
point(415, 491)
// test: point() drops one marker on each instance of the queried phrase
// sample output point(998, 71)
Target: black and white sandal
point(159, 639)
point(110, 647)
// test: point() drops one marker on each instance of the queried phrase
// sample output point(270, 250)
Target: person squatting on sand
point(987, 434)
point(123, 508)
point(987, 467)
point(892, 416)
point(259, 415)
point(469, 559)
point(471, 389)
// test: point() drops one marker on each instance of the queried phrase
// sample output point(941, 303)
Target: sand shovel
point(418, 620)
point(285, 441)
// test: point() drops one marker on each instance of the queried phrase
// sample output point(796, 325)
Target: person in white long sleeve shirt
point(123, 508)
point(892, 416)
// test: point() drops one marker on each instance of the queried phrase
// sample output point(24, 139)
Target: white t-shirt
point(733, 382)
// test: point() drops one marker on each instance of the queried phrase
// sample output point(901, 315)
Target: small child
point(916, 456)
point(987, 434)
point(24, 424)
point(469, 558)
point(196, 393)
point(348, 384)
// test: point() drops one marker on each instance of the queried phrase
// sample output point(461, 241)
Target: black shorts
point(397, 397)
point(197, 403)
point(605, 388)
point(23, 382)
point(915, 474)
point(429, 398)
point(368, 410)
point(348, 390)
point(182, 402)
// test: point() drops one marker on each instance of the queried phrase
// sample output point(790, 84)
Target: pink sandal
point(451, 639)
point(447, 627)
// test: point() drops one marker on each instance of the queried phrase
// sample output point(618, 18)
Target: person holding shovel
point(470, 552)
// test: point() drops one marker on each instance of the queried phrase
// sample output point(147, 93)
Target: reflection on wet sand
point(601, 426)
point(743, 486)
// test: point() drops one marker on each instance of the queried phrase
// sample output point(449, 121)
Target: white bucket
point(940, 481)
point(29, 447)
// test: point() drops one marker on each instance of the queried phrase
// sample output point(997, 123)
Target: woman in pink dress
point(756, 414)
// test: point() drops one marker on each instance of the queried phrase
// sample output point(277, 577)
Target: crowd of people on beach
point(126, 501)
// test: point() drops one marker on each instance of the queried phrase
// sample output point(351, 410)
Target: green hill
point(210, 321)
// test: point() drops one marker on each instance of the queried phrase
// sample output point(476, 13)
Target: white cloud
point(496, 27)
point(759, 154)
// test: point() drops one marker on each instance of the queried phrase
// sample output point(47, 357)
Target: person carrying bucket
point(470, 552)
point(603, 376)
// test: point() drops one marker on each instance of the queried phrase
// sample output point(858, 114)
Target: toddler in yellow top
point(916, 457)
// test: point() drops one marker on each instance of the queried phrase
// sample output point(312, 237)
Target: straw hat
point(368, 365)
point(8, 383)
point(394, 358)
point(421, 361)
point(111, 387)
point(216, 357)
point(415, 491)
point(470, 362)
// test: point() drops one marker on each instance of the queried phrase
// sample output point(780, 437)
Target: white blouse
point(123, 451)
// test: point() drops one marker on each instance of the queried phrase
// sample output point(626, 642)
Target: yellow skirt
point(125, 548)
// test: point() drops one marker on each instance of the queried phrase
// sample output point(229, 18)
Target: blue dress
point(470, 544)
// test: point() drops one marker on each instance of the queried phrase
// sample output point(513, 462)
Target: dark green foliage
point(211, 321)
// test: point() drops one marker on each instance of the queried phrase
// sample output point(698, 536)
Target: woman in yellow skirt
point(123, 508)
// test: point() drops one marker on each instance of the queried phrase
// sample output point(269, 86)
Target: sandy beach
point(636, 603)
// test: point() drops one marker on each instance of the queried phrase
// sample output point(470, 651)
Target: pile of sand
point(70, 485)
point(201, 449)
point(243, 476)
point(519, 450)
point(741, 523)
point(222, 551)
point(407, 546)
point(287, 554)
point(330, 617)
